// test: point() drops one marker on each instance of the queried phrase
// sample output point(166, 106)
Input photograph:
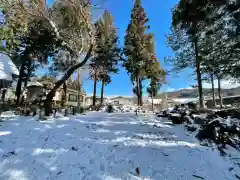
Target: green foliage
point(110, 108)
point(153, 87)
point(183, 48)
point(14, 23)
point(141, 62)
point(137, 42)
point(107, 51)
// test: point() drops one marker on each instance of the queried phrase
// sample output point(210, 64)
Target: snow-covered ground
point(106, 146)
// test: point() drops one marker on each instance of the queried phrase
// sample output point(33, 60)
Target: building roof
point(34, 83)
point(155, 101)
point(185, 100)
point(123, 97)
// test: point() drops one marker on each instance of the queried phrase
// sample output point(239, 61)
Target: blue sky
point(159, 13)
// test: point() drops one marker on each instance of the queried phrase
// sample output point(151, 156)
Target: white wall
point(123, 101)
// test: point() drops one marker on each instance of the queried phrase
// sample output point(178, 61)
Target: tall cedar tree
point(136, 47)
point(107, 53)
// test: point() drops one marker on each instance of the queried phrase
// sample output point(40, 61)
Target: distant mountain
point(192, 93)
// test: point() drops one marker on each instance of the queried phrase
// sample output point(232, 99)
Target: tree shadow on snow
point(94, 147)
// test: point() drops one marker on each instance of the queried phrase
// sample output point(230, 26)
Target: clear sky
point(159, 13)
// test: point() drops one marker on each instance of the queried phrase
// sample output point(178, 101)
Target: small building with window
point(71, 98)
point(122, 100)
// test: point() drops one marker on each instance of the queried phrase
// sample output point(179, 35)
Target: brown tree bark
point(69, 72)
point(94, 89)
point(140, 92)
point(220, 93)
point(152, 101)
point(198, 71)
point(26, 62)
point(138, 88)
point(213, 90)
point(102, 92)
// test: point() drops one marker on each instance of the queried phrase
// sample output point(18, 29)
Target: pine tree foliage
point(139, 49)
point(106, 52)
point(135, 39)
point(184, 55)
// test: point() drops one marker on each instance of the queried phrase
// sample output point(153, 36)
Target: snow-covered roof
point(34, 83)
point(185, 100)
point(7, 68)
point(155, 101)
point(120, 97)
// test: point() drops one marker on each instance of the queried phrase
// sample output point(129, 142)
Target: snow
point(155, 101)
point(34, 83)
point(185, 100)
point(99, 146)
point(7, 68)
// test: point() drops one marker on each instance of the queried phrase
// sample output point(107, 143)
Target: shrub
point(110, 108)
point(81, 109)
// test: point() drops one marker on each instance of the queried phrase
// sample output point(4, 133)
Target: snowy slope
point(7, 68)
point(102, 146)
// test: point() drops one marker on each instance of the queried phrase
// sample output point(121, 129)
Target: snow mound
point(7, 68)
point(8, 114)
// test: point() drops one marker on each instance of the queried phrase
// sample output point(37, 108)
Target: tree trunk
point(220, 93)
point(152, 101)
point(138, 88)
point(19, 88)
point(65, 77)
point(19, 83)
point(198, 71)
point(64, 102)
point(94, 89)
point(102, 92)
point(213, 90)
point(140, 92)
point(25, 61)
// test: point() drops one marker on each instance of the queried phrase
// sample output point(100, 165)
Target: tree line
point(205, 36)
point(66, 33)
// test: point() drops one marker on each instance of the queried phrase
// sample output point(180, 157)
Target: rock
point(74, 149)
point(11, 153)
point(66, 112)
point(190, 128)
point(188, 120)
point(137, 171)
point(176, 118)
point(162, 115)
point(200, 120)
point(212, 116)
point(208, 131)
point(60, 172)
point(34, 112)
point(234, 113)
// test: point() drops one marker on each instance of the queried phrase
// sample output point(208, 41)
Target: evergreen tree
point(190, 16)
point(107, 53)
point(137, 46)
point(153, 90)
